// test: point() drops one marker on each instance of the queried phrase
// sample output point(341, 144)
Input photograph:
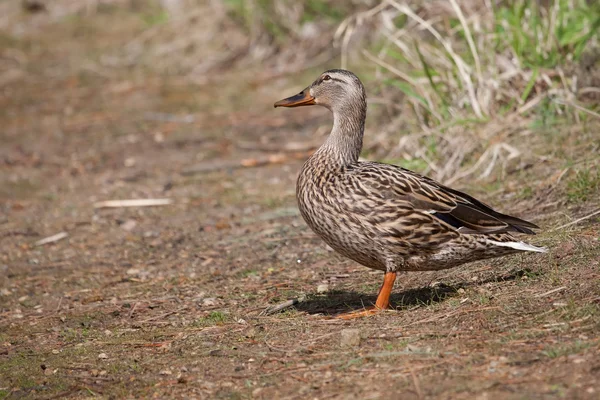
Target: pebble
point(323, 288)
point(102, 356)
point(133, 271)
point(209, 302)
point(129, 225)
point(350, 337)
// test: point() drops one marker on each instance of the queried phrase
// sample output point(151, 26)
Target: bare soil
point(166, 301)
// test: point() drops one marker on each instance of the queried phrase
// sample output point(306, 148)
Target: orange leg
point(383, 299)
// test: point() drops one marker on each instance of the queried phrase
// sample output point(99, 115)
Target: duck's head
point(336, 89)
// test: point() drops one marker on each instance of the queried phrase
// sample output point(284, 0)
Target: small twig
point(277, 158)
point(577, 107)
point(451, 314)
point(59, 304)
point(548, 293)
point(133, 309)
point(417, 384)
point(287, 147)
point(52, 239)
point(162, 315)
point(577, 220)
point(275, 348)
point(282, 306)
point(165, 117)
point(132, 203)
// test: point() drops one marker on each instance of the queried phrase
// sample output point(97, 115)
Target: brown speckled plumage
point(383, 216)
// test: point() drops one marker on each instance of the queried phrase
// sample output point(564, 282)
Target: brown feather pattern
point(386, 217)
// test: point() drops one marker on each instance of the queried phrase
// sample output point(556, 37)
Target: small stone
point(5, 292)
point(590, 390)
point(129, 225)
point(159, 137)
point(102, 356)
point(256, 392)
point(55, 351)
point(461, 290)
point(209, 302)
point(23, 299)
point(322, 288)
point(207, 384)
point(133, 271)
point(165, 372)
point(108, 332)
point(215, 353)
point(102, 373)
point(350, 338)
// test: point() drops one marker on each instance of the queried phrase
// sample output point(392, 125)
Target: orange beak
point(301, 99)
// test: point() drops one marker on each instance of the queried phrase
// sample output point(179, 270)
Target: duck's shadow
point(340, 301)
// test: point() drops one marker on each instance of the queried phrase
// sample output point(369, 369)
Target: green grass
point(566, 27)
point(584, 185)
point(213, 318)
point(437, 82)
point(559, 351)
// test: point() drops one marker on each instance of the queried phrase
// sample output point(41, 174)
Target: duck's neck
point(344, 143)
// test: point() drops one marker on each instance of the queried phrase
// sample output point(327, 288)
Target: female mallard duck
point(383, 216)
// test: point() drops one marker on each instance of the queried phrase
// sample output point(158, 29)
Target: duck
point(383, 216)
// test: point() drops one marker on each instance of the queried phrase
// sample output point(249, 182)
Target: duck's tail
point(522, 246)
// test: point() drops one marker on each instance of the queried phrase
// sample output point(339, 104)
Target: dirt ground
point(166, 302)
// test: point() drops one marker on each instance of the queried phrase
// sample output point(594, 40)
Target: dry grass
point(476, 78)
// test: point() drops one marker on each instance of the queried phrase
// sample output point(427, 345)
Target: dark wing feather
point(517, 224)
point(457, 209)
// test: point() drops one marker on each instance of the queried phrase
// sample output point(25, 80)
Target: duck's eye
point(326, 78)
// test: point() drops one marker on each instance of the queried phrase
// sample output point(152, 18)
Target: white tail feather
point(519, 246)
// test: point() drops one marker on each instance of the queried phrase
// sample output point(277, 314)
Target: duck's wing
point(394, 187)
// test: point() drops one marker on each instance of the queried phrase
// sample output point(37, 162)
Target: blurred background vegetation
point(453, 84)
